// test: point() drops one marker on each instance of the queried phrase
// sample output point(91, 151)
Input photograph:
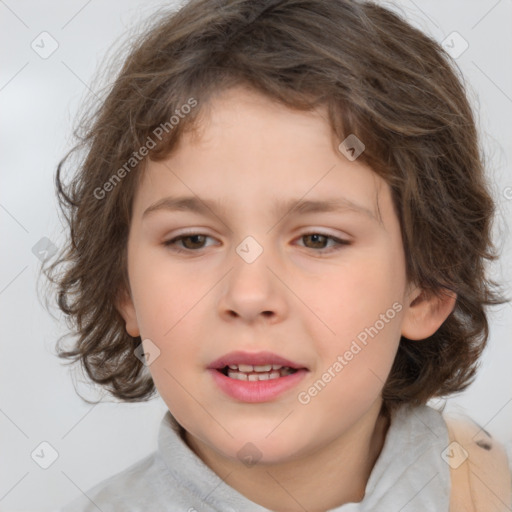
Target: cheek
point(361, 307)
point(162, 295)
point(353, 369)
point(353, 297)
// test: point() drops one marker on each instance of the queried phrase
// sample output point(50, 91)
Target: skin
point(302, 298)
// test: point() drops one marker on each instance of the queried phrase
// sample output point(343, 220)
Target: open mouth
point(255, 373)
point(255, 377)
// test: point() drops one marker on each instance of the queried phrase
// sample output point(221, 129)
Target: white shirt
point(410, 475)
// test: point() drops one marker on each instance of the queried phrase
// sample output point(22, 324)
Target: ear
point(425, 313)
point(127, 310)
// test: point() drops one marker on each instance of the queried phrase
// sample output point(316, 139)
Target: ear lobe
point(127, 311)
point(426, 313)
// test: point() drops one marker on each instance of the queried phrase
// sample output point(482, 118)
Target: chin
point(257, 449)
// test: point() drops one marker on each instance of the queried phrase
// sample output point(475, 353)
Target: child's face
point(304, 298)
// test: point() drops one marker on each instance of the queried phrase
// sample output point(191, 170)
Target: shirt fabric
point(409, 475)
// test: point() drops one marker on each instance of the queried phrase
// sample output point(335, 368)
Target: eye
point(197, 242)
point(317, 240)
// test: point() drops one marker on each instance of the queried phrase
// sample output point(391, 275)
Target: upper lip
point(253, 358)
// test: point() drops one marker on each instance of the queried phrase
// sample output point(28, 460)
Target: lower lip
point(256, 391)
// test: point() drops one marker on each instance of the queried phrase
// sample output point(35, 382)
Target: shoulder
point(479, 468)
point(122, 490)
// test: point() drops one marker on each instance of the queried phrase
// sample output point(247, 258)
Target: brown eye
point(195, 241)
point(189, 242)
point(319, 240)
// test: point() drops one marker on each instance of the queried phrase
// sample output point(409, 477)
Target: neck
point(331, 476)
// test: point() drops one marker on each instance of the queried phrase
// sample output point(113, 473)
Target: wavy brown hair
point(380, 78)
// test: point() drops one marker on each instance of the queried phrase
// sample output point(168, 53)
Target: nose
point(253, 292)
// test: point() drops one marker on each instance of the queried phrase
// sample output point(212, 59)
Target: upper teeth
point(255, 368)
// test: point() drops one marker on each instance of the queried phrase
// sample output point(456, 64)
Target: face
point(245, 272)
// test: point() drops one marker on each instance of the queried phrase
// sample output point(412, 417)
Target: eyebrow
point(210, 206)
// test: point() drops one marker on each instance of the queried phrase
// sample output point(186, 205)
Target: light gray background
point(39, 98)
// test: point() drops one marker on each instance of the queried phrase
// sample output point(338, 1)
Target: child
point(327, 152)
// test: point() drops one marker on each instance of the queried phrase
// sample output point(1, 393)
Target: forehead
point(247, 149)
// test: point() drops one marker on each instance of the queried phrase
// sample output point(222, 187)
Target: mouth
point(256, 377)
point(253, 373)
point(253, 366)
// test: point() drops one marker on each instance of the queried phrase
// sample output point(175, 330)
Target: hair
point(379, 78)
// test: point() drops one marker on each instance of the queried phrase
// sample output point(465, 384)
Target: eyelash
point(173, 241)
